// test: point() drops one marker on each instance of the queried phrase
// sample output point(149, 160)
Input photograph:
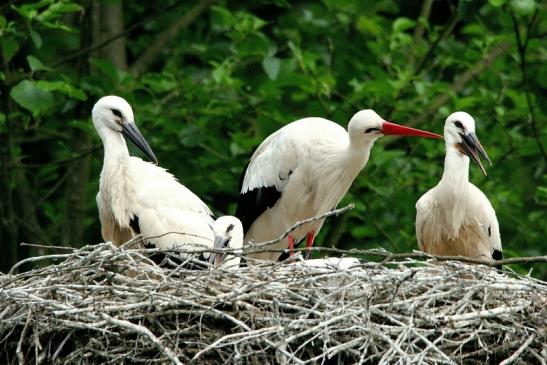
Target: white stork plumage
point(332, 263)
point(303, 170)
point(140, 197)
point(228, 233)
point(455, 217)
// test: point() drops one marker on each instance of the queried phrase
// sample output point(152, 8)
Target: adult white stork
point(139, 197)
point(455, 217)
point(303, 170)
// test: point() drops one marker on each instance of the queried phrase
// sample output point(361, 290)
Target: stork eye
point(229, 228)
point(372, 130)
point(117, 113)
point(458, 124)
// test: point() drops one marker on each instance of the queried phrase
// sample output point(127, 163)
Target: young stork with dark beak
point(455, 217)
point(303, 170)
point(228, 234)
point(140, 197)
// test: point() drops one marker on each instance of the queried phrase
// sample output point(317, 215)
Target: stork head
point(228, 234)
point(459, 132)
point(112, 114)
point(366, 125)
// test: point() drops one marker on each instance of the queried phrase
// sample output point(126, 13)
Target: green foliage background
point(236, 71)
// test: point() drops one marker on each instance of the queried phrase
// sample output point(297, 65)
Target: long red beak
point(400, 130)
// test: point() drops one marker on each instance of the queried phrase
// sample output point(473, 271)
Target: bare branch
point(144, 332)
point(459, 84)
point(520, 350)
point(109, 303)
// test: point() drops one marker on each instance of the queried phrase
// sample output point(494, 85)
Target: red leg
point(291, 246)
point(309, 243)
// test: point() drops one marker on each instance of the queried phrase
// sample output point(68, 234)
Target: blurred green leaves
point(32, 97)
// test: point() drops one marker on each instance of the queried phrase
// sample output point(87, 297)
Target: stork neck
point(116, 185)
point(350, 161)
point(115, 148)
point(452, 190)
point(359, 151)
point(456, 169)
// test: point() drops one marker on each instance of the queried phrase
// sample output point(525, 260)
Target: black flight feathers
point(254, 202)
point(134, 224)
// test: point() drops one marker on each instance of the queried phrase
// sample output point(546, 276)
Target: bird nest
point(102, 304)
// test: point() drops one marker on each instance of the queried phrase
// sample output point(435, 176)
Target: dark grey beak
point(131, 131)
point(216, 258)
point(473, 147)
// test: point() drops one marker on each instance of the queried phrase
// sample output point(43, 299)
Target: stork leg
point(290, 238)
point(309, 243)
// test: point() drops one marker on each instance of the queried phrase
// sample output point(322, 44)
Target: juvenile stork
point(303, 170)
point(139, 197)
point(228, 233)
point(455, 217)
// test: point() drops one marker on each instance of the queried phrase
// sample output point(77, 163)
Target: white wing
point(423, 209)
point(281, 153)
point(273, 162)
point(170, 228)
point(485, 215)
point(155, 187)
point(169, 214)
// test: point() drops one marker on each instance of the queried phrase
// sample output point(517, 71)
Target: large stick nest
point(103, 304)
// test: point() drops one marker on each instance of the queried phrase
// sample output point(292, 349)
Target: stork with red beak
point(303, 170)
point(455, 217)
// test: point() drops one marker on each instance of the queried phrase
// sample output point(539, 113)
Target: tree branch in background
point(111, 25)
point(160, 43)
point(420, 27)
point(447, 30)
point(522, 46)
point(459, 83)
point(96, 46)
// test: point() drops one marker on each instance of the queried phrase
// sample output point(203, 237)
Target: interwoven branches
point(104, 304)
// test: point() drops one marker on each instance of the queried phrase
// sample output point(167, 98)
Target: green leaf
point(496, 3)
point(271, 65)
point(542, 76)
point(62, 87)
point(541, 195)
point(107, 68)
point(402, 24)
point(35, 64)
point(65, 7)
point(367, 24)
point(222, 19)
point(29, 96)
point(523, 7)
point(36, 38)
point(9, 48)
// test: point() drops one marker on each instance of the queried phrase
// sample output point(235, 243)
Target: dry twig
point(110, 304)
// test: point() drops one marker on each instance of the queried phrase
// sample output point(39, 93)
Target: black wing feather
point(134, 224)
point(253, 203)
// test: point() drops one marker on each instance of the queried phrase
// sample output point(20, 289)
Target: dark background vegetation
point(209, 80)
